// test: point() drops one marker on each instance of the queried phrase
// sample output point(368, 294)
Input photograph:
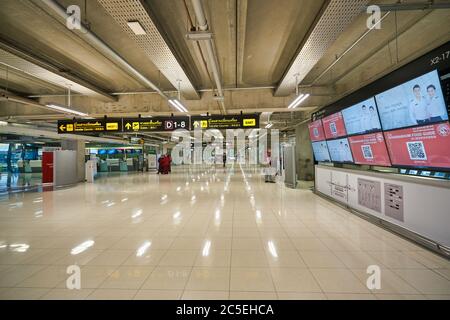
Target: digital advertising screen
point(340, 150)
point(362, 118)
point(417, 102)
point(320, 150)
point(426, 146)
point(316, 131)
point(334, 126)
point(370, 149)
point(102, 151)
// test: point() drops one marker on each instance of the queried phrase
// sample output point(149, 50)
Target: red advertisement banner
point(334, 126)
point(426, 146)
point(369, 149)
point(316, 131)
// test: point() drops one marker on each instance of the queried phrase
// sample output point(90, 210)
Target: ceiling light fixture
point(269, 125)
point(136, 27)
point(64, 109)
point(294, 104)
point(177, 104)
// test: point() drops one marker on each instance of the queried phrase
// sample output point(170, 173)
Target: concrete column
point(79, 147)
point(304, 155)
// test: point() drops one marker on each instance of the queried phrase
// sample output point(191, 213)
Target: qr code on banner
point(316, 132)
point(416, 150)
point(333, 128)
point(367, 152)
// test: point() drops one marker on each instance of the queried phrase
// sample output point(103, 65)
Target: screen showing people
point(417, 102)
point(369, 149)
point(316, 131)
point(320, 150)
point(425, 146)
point(340, 150)
point(334, 126)
point(362, 118)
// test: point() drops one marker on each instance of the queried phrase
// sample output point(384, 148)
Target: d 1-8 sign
point(155, 124)
point(240, 121)
point(89, 125)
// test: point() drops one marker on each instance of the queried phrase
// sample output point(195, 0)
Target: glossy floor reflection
point(10, 182)
point(203, 234)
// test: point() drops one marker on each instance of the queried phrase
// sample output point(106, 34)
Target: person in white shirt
point(418, 107)
point(434, 105)
point(374, 121)
point(365, 119)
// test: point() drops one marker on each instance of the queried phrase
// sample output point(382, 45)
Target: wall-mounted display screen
point(102, 151)
point(426, 146)
point(416, 102)
point(316, 131)
point(369, 149)
point(340, 150)
point(320, 150)
point(334, 126)
point(112, 151)
point(362, 118)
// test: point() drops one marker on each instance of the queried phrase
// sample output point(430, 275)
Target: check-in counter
point(36, 166)
point(123, 166)
point(103, 166)
point(130, 164)
point(113, 165)
point(29, 166)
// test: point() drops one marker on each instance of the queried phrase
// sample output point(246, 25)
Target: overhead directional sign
point(155, 124)
point(240, 121)
point(89, 126)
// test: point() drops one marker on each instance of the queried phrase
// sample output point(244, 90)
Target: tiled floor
point(203, 234)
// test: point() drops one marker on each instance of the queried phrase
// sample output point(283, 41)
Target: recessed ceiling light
point(136, 27)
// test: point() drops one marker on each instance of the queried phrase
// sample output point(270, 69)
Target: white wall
point(426, 202)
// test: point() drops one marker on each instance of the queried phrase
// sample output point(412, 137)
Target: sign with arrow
point(89, 125)
point(155, 124)
point(240, 121)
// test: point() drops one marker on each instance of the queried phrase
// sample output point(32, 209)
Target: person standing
point(365, 119)
point(374, 121)
point(418, 107)
point(169, 160)
point(160, 164)
point(434, 106)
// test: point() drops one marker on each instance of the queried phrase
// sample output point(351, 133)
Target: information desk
point(416, 207)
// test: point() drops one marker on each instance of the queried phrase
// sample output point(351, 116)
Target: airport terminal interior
point(224, 150)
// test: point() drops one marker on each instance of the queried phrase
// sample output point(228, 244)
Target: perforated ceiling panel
point(336, 17)
point(152, 42)
point(18, 63)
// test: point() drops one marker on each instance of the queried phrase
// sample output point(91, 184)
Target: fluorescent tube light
point(298, 101)
point(177, 105)
point(136, 27)
point(65, 109)
point(180, 105)
point(269, 125)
